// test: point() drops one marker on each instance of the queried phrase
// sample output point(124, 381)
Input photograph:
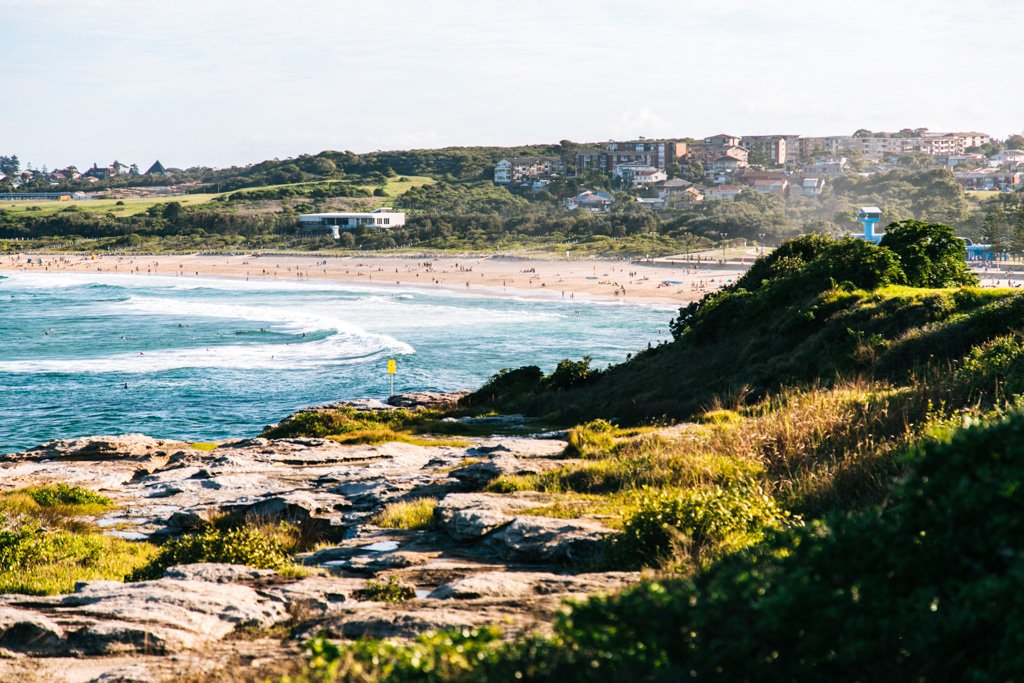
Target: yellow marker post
point(392, 368)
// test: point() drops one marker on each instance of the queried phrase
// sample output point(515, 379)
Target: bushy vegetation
point(348, 425)
point(707, 522)
point(813, 310)
point(390, 590)
point(591, 439)
point(47, 542)
point(406, 514)
point(66, 495)
point(247, 545)
point(924, 588)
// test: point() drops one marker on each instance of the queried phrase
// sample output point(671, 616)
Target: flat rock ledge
point(486, 558)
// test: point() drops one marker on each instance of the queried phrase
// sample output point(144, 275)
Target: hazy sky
point(222, 82)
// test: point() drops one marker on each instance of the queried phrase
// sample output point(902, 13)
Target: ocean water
point(200, 359)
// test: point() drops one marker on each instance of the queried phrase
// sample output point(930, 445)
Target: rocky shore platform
point(487, 558)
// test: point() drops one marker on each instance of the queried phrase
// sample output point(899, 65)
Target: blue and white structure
point(982, 252)
point(869, 216)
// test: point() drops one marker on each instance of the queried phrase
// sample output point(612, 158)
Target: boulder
point(427, 399)
point(216, 572)
point(564, 541)
point(305, 508)
point(470, 516)
point(103, 618)
point(477, 475)
point(30, 633)
point(503, 584)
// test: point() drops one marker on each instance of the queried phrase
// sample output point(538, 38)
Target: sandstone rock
point(477, 475)
point(469, 516)
point(568, 541)
point(216, 572)
point(104, 448)
point(311, 595)
point(30, 632)
point(503, 584)
point(382, 622)
point(427, 399)
point(165, 488)
point(304, 508)
point(152, 617)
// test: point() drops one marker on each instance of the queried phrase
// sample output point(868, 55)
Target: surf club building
point(380, 220)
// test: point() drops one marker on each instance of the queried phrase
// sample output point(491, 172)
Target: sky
point(224, 82)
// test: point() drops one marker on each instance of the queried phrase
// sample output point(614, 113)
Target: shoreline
point(499, 275)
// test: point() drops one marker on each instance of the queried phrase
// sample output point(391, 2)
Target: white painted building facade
point(337, 222)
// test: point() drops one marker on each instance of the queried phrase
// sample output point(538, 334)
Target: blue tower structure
point(869, 216)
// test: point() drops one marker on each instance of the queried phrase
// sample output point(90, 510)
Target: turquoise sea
point(203, 359)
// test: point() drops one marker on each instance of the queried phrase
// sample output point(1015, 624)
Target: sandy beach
point(660, 281)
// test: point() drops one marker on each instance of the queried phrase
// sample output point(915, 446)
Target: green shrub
point(714, 520)
point(571, 373)
point(243, 545)
point(506, 385)
point(930, 253)
point(406, 514)
point(433, 657)
point(391, 590)
point(593, 439)
point(40, 562)
point(340, 421)
point(720, 416)
point(925, 589)
point(63, 494)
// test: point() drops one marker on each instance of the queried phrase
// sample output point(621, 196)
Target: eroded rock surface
point(486, 558)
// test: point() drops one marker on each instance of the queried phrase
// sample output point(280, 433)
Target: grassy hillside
point(813, 311)
point(118, 207)
point(845, 505)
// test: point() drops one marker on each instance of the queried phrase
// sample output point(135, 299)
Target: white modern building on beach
point(381, 219)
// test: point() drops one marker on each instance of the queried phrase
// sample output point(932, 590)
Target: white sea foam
point(340, 349)
point(345, 342)
point(286, 318)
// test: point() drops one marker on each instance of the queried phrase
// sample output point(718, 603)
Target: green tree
point(930, 253)
point(172, 211)
point(1015, 142)
point(10, 164)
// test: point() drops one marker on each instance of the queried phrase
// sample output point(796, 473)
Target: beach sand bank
point(653, 282)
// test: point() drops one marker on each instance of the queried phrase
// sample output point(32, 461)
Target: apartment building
point(659, 154)
point(933, 144)
point(636, 174)
point(518, 170)
point(773, 148)
point(989, 180)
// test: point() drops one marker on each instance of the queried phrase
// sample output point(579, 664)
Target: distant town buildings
point(928, 143)
point(521, 170)
point(659, 154)
point(722, 192)
point(636, 174)
point(989, 180)
point(595, 202)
